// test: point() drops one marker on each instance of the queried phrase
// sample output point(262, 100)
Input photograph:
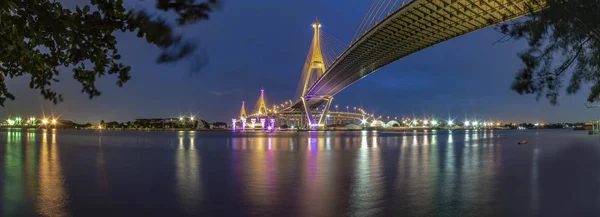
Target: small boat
point(522, 142)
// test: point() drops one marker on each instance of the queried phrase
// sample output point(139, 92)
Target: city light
point(10, 122)
point(450, 122)
point(181, 118)
point(467, 123)
point(425, 122)
point(44, 121)
point(53, 121)
point(364, 121)
point(434, 122)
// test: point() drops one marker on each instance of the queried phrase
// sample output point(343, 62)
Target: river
point(360, 173)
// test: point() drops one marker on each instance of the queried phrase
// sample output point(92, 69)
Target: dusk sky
point(254, 44)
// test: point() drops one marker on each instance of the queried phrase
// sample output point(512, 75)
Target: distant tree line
point(198, 124)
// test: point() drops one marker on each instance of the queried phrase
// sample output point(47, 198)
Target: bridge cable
point(367, 25)
point(325, 51)
point(305, 72)
point(337, 46)
point(392, 9)
point(394, 6)
point(362, 22)
point(372, 21)
point(367, 22)
point(338, 42)
point(329, 54)
point(334, 45)
point(333, 51)
point(384, 12)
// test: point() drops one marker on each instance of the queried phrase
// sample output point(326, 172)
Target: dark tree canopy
point(564, 43)
point(39, 36)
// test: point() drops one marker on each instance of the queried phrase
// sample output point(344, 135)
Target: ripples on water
point(443, 173)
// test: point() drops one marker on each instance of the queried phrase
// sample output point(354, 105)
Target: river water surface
point(434, 173)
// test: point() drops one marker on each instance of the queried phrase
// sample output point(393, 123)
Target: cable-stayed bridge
point(389, 32)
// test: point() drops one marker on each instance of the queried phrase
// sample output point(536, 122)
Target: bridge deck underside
point(417, 25)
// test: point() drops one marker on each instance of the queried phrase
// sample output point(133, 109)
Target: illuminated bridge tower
point(243, 116)
point(262, 106)
point(243, 111)
point(314, 68)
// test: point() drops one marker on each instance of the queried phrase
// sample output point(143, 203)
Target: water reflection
point(314, 178)
point(31, 163)
point(534, 182)
point(188, 173)
point(101, 173)
point(13, 189)
point(362, 173)
point(52, 198)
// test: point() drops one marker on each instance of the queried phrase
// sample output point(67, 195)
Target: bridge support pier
point(325, 111)
point(312, 123)
point(307, 111)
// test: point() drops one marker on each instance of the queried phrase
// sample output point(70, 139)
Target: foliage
point(39, 36)
point(564, 40)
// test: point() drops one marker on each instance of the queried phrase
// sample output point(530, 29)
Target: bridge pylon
point(243, 110)
point(262, 106)
point(313, 70)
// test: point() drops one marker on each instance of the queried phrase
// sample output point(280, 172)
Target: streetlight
point(336, 108)
point(54, 121)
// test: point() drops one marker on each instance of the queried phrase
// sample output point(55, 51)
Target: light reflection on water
point(52, 199)
point(433, 173)
point(189, 183)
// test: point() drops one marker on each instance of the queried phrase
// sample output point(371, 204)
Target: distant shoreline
point(287, 130)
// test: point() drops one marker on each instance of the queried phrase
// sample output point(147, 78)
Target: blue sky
point(250, 45)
